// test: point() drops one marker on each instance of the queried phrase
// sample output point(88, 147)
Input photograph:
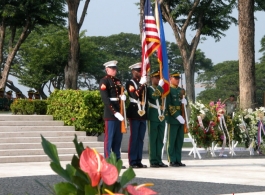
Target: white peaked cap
point(137, 65)
point(110, 63)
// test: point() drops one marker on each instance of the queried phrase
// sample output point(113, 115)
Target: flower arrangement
point(209, 123)
point(203, 125)
point(249, 124)
point(224, 123)
point(89, 173)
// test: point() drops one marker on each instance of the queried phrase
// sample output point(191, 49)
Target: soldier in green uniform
point(156, 120)
point(175, 121)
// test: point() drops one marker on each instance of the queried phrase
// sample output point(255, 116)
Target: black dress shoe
point(123, 167)
point(134, 166)
point(181, 164)
point(162, 165)
point(140, 165)
point(173, 164)
point(154, 165)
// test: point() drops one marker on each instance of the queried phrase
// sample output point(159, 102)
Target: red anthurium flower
point(141, 189)
point(96, 167)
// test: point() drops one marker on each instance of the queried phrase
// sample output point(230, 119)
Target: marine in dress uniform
point(156, 120)
point(175, 121)
point(110, 90)
point(136, 113)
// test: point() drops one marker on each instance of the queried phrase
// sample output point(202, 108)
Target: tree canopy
point(19, 19)
point(223, 80)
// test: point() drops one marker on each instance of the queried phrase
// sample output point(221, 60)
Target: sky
point(123, 16)
point(105, 18)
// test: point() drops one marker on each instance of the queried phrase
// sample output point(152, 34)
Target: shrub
point(82, 109)
point(28, 106)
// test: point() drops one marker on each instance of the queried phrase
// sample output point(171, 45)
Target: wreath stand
point(194, 149)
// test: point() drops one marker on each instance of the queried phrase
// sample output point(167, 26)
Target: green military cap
point(9, 92)
point(18, 93)
point(175, 74)
point(31, 91)
point(155, 73)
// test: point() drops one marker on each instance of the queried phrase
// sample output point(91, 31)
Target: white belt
point(153, 105)
point(133, 100)
point(114, 99)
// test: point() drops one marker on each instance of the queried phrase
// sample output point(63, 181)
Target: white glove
point(181, 119)
point(184, 101)
point(161, 82)
point(143, 80)
point(119, 116)
point(123, 97)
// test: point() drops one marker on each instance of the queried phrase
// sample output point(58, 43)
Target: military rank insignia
point(131, 88)
point(103, 87)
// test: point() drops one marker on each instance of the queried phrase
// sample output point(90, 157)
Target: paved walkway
point(242, 174)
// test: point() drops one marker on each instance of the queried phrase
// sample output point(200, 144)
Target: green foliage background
point(82, 109)
point(28, 107)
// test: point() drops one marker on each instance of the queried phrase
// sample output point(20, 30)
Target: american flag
point(150, 37)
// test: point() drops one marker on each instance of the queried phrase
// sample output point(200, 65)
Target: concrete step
point(42, 158)
point(8, 146)
point(43, 133)
point(37, 139)
point(18, 152)
point(30, 123)
point(19, 129)
point(9, 117)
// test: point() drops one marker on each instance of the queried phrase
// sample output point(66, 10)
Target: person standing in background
point(156, 120)
point(110, 90)
point(136, 113)
point(175, 121)
point(30, 94)
point(231, 105)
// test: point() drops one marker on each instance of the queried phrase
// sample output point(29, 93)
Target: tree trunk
point(189, 77)
point(187, 50)
point(10, 58)
point(71, 69)
point(246, 53)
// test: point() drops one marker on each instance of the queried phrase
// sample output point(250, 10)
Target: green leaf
point(64, 188)
point(79, 173)
point(50, 149)
point(89, 190)
point(112, 158)
point(127, 176)
point(70, 170)
point(75, 161)
point(78, 146)
point(119, 165)
point(60, 171)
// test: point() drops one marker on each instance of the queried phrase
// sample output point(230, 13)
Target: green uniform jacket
point(173, 105)
point(152, 96)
